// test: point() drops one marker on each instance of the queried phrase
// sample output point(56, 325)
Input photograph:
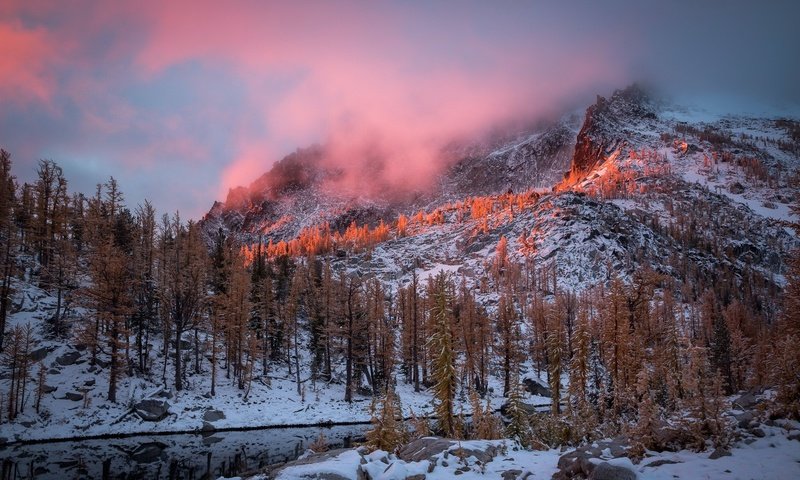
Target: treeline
point(638, 353)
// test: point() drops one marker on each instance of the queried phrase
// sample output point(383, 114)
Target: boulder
point(68, 358)
point(310, 460)
point(736, 188)
point(40, 353)
point(151, 410)
point(424, 448)
point(606, 471)
point(48, 389)
point(535, 388)
point(75, 397)
point(213, 415)
point(483, 456)
point(748, 401)
point(511, 474)
point(719, 453)
point(89, 383)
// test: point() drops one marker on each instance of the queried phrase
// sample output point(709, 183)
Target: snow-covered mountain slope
point(301, 190)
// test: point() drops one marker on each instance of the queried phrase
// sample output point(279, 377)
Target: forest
point(630, 355)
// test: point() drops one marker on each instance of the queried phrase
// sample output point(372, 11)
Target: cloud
point(207, 95)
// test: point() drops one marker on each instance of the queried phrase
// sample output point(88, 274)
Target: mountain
point(639, 183)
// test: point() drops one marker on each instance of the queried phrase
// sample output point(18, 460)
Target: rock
point(748, 401)
point(424, 448)
point(208, 427)
point(102, 363)
point(419, 476)
point(535, 388)
point(736, 188)
point(744, 419)
point(48, 389)
point(794, 435)
point(40, 353)
point(483, 456)
point(758, 432)
point(68, 358)
point(89, 383)
point(312, 459)
point(606, 471)
point(511, 474)
point(163, 393)
point(148, 452)
point(575, 464)
point(719, 453)
point(151, 410)
point(53, 371)
point(75, 397)
point(213, 415)
point(664, 461)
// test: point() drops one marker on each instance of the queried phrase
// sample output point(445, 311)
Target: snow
point(774, 456)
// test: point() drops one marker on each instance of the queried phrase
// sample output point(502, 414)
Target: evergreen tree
point(443, 368)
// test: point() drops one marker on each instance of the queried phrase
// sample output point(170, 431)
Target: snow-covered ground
point(772, 456)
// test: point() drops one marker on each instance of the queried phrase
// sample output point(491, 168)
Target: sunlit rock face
point(609, 126)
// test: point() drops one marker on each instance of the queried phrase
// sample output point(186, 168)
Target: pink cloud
point(26, 58)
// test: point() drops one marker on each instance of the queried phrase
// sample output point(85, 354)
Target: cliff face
point(608, 126)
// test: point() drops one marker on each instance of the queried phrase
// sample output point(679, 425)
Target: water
point(185, 456)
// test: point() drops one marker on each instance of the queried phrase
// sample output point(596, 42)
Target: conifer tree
point(388, 430)
point(443, 367)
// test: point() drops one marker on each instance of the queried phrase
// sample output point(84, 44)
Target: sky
point(182, 100)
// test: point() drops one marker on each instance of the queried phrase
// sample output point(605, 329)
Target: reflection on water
point(187, 457)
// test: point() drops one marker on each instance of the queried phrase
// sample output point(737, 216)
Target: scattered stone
point(511, 474)
point(424, 449)
point(75, 397)
point(744, 419)
point(794, 435)
point(606, 471)
point(48, 389)
point(663, 461)
point(719, 453)
point(535, 388)
point(758, 432)
point(151, 410)
point(748, 401)
point(736, 188)
point(208, 427)
point(89, 383)
point(40, 353)
point(53, 371)
point(68, 358)
point(419, 476)
point(483, 456)
point(213, 415)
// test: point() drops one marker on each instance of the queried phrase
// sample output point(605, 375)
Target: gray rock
point(208, 427)
point(89, 383)
point(48, 389)
point(213, 415)
point(151, 410)
point(310, 460)
point(758, 432)
point(424, 448)
point(68, 358)
point(511, 474)
point(719, 453)
point(40, 353)
point(794, 435)
point(736, 188)
point(419, 476)
point(606, 471)
point(664, 461)
point(53, 371)
point(535, 388)
point(483, 456)
point(748, 401)
point(744, 419)
point(75, 397)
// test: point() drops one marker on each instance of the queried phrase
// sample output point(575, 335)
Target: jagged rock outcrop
point(607, 127)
